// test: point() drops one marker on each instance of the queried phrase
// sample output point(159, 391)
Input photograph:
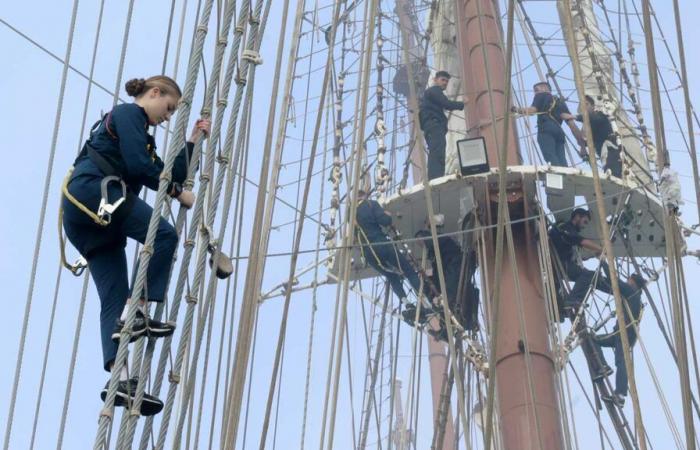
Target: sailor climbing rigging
point(551, 111)
point(380, 253)
point(603, 138)
point(433, 122)
point(566, 239)
point(101, 208)
point(631, 292)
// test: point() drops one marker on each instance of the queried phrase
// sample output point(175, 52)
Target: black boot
point(126, 394)
point(614, 398)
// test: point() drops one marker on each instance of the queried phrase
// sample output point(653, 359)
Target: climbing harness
point(106, 209)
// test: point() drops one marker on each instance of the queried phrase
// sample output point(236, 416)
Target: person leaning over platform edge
point(433, 122)
point(117, 160)
point(551, 111)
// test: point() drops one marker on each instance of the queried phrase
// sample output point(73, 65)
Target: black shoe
point(603, 372)
point(409, 315)
point(138, 328)
point(143, 325)
point(614, 398)
point(126, 394)
point(438, 335)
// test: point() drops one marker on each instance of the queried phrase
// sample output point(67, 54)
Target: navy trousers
point(394, 266)
point(614, 341)
point(109, 269)
point(435, 138)
point(583, 278)
point(552, 145)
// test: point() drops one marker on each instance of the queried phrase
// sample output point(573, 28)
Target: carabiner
point(106, 209)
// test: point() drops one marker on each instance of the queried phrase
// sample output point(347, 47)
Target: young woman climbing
point(101, 208)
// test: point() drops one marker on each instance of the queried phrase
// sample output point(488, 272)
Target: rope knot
point(147, 250)
point(166, 176)
point(188, 243)
point(191, 299)
point(202, 28)
point(106, 413)
point(222, 103)
point(222, 41)
point(206, 111)
point(204, 177)
point(134, 412)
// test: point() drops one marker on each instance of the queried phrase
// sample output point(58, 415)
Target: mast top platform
point(636, 209)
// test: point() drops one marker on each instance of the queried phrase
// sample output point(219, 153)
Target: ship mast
point(527, 405)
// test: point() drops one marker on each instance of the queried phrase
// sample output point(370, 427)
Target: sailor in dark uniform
point(566, 239)
point(551, 111)
point(433, 122)
point(465, 303)
point(101, 208)
point(631, 293)
point(380, 253)
point(603, 136)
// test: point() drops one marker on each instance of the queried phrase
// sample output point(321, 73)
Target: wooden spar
point(436, 349)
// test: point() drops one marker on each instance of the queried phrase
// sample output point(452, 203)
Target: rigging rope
point(40, 227)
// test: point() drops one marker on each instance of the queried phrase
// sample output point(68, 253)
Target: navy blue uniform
point(433, 122)
point(550, 135)
point(384, 258)
point(632, 300)
point(564, 236)
point(123, 140)
point(602, 131)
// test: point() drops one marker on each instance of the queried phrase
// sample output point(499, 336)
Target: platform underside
point(637, 212)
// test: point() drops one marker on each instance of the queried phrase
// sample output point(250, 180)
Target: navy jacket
point(601, 128)
point(123, 140)
point(432, 107)
point(371, 218)
point(565, 236)
point(550, 109)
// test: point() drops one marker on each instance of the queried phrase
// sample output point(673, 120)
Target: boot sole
point(149, 406)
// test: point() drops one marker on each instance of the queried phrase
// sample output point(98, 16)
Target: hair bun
point(135, 86)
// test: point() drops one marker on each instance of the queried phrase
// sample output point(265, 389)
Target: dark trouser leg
point(560, 150)
point(135, 226)
point(108, 269)
point(583, 278)
point(613, 161)
point(621, 379)
point(435, 138)
point(552, 148)
point(408, 272)
point(395, 281)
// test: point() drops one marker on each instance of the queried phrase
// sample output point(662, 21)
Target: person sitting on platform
point(380, 253)
point(566, 239)
point(551, 111)
point(464, 304)
point(631, 293)
point(433, 122)
point(603, 137)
